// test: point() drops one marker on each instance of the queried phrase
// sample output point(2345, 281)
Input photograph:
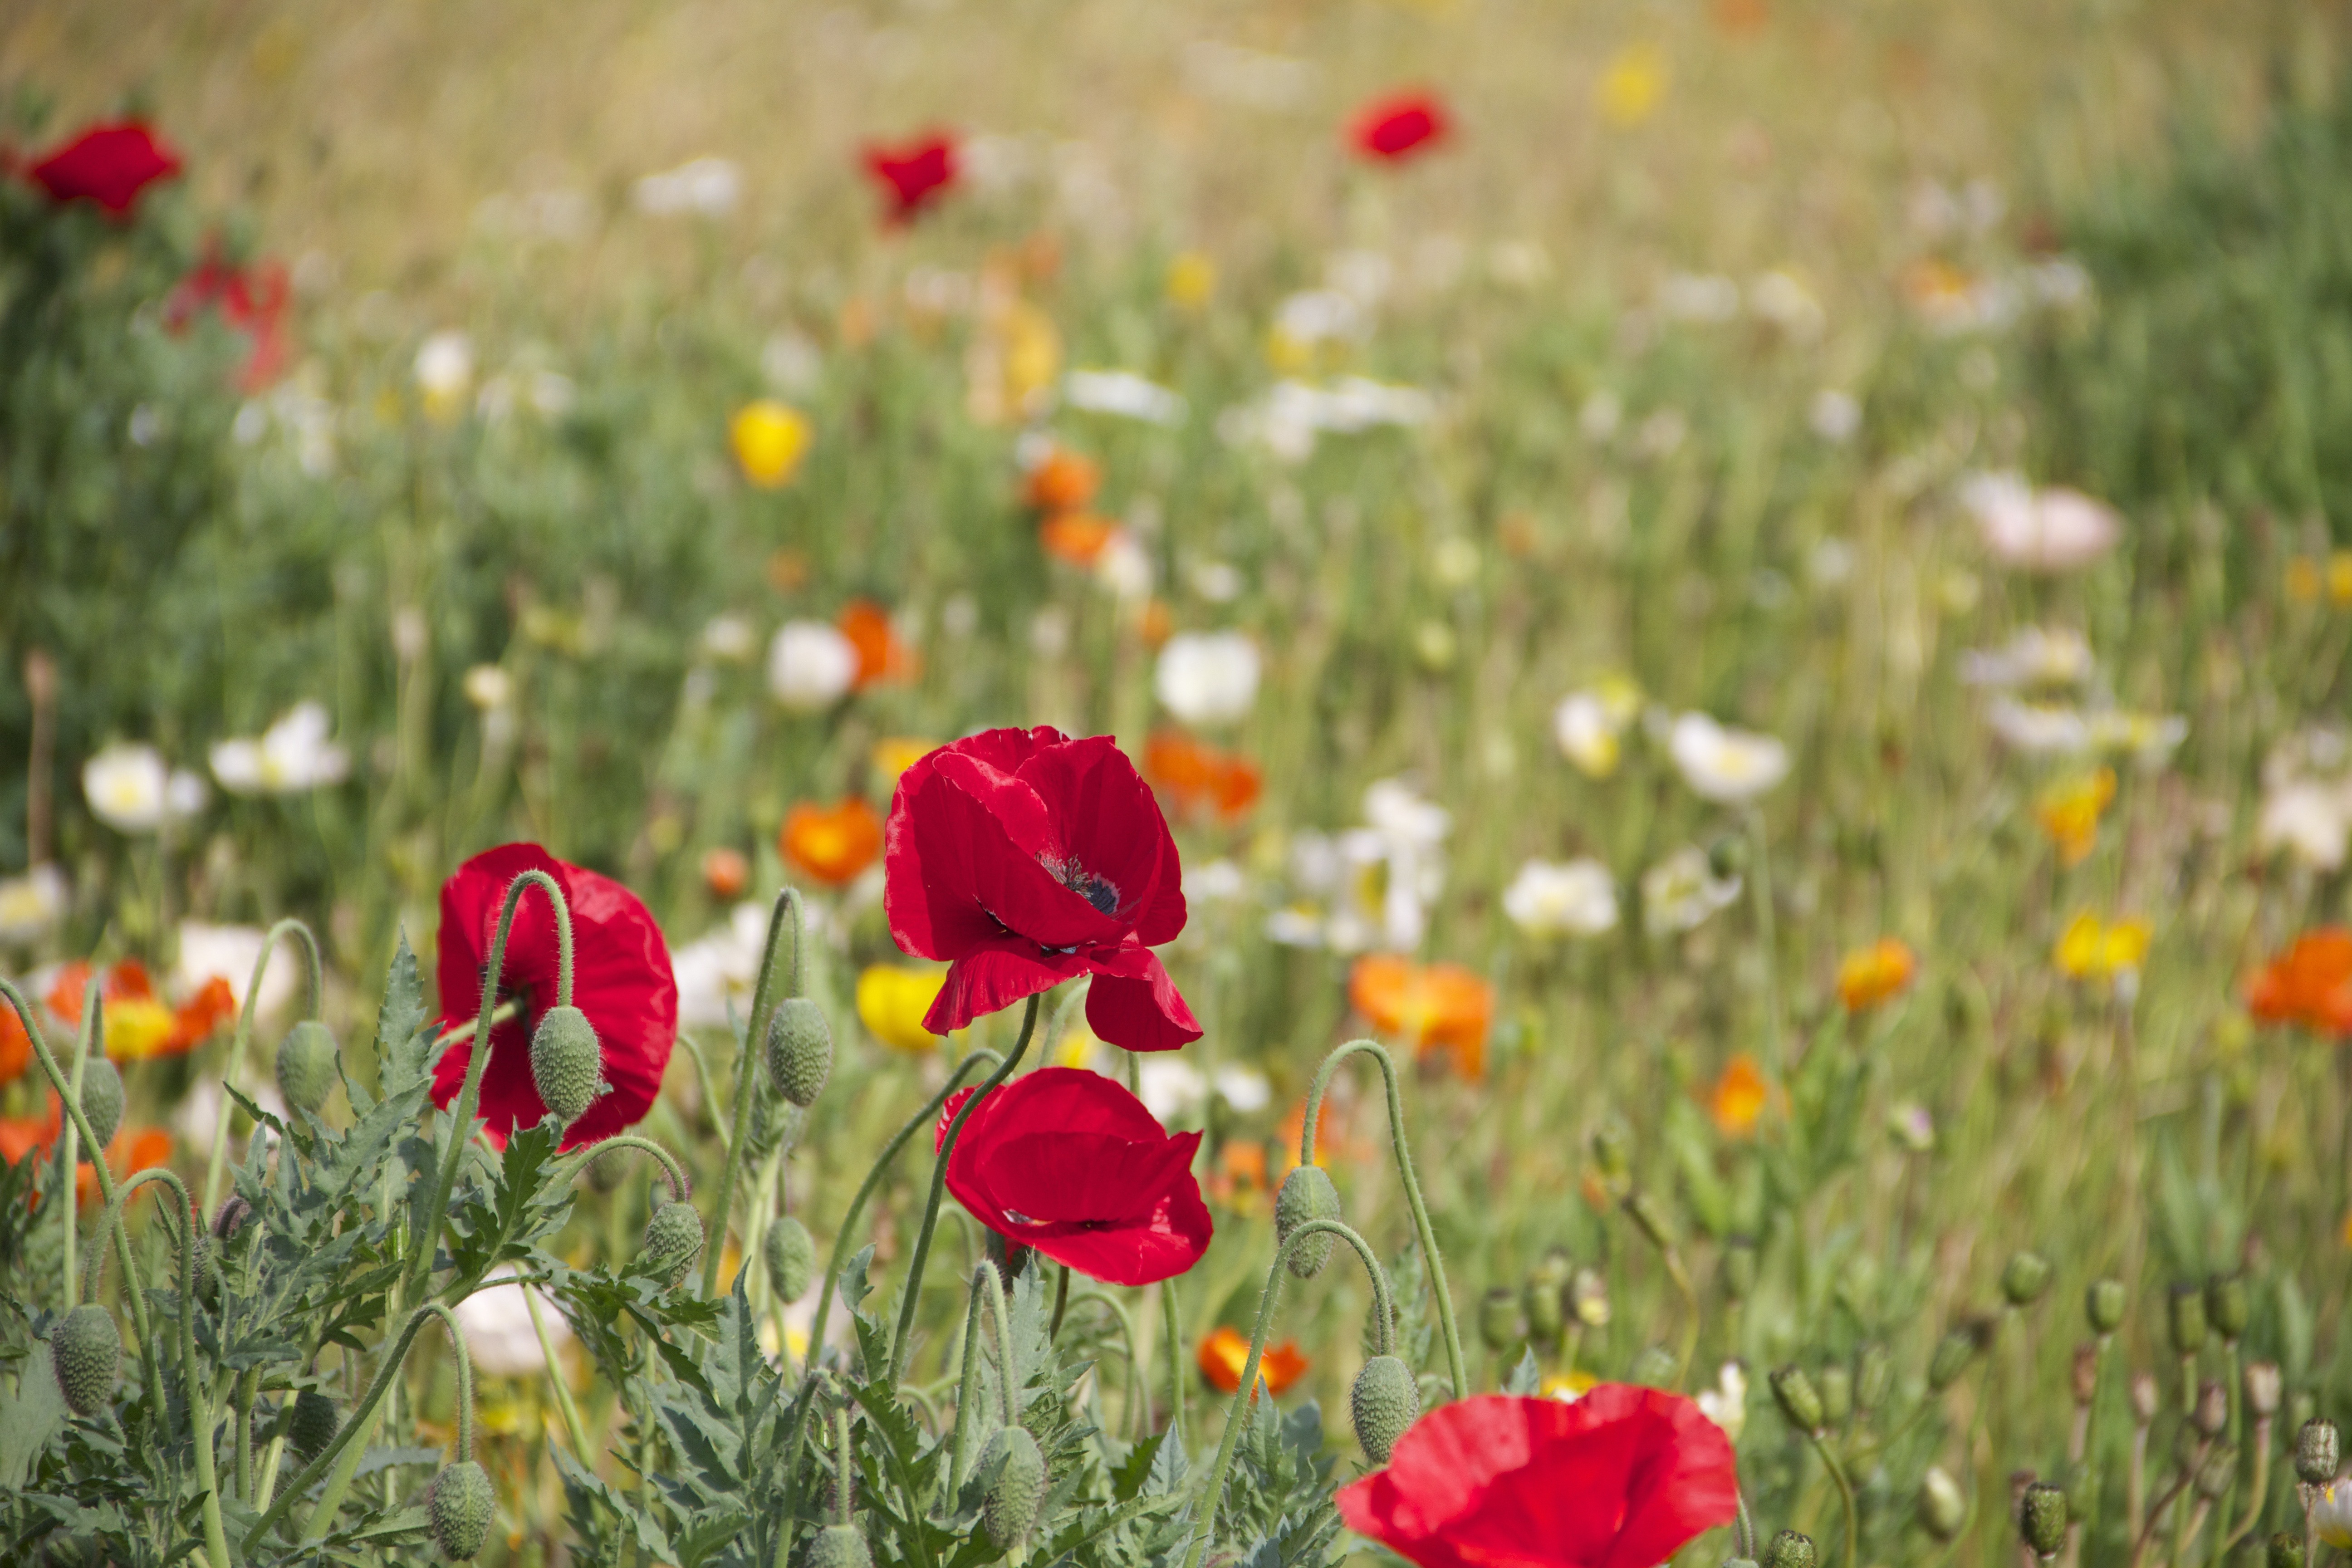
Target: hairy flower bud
point(1836, 1386)
point(313, 1424)
point(800, 1050)
point(1498, 1319)
point(1939, 1505)
point(2286, 1550)
point(308, 1066)
point(1587, 1296)
point(86, 1352)
point(2184, 1316)
point(2042, 1519)
point(789, 1253)
point(567, 1065)
point(2316, 1451)
point(840, 1546)
point(1383, 1402)
point(1008, 1510)
point(230, 1217)
point(2144, 1397)
point(2227, 1306)
point(2025, 1278)
point(2105, 1304)
point(1737, 1270)
point(2212, 1414)
point(1799, 1400)
point(1307, 1195)
point(1791, 1550)
point(1541, 1300)
point(2264, 1388)
point(101, 1101)
point(673, 1239)
point(1953, 1354)
point(460, 1506)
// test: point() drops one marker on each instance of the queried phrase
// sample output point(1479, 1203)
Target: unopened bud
point(673, 1239)
point(86, 1354)
point(567, 1065)
point(1498, 1318)
point(1384, 1401)
point(2105, 1304)
point(1799, 1400)
point(2286, 1550)
point(1588, 1297)
point(1649, 1216)
point(2086, 1373)
point(2211, 1412)
point(1791, 1550)
point(2264, 1388)
point(1836, 1386)
point(2316, 1451)
point(101, 1101)
point(2184, 1315)
point(460, 1506)
point(1939, 1505)
point(313, 1423)
point(2218, 1470)
point(2024, 1279)
point(1737, 1270)
point(1307, 1195)
point(1541, 1300)
point(789, 1253)
point(800, 1050)
point(2042, 1519)
point(2227, 1306)
point(1727, 857)
point(1953, 1354)
point(2145, 1398)
point(1008, 1510)
point(840, 1546)
point(308, 1066)
point(230, 1217)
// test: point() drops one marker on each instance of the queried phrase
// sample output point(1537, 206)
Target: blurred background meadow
point(1754, 583)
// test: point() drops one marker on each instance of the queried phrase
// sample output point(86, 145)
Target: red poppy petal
point(1006, 970)
point(1174, 1239)
point(1133, 1003)
point(1057, 1177)
point(1108, 820)
point(974, 833)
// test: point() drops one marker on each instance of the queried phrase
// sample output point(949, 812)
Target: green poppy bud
point(308, 1066)
point(1384, 1401)
point(1799, 1400)
point(1541, 1300)
point(673, 1239)
point(2105, 1304)
point(315, 1422)
point(1008, 1510)
point(839, 1546)
point(2185, 1317)
point(101, 1101)
point(1836, 1386)
point(1727, 857)
point(2316, 1452)
point(567, 1065)
point(1307, 1195)
point(460, 1506)
point(2286, 1550)
point(800, 1050)
point(1953, 1354)
point(2217, 1473)
point(1791, 1550)
point(1738, 1271)
point(791, 1255)
point(86, 1349)
point(2025, 1278)
point(2042, 1519)
point(2227, 1307)
point(1940, 1507)
point(1498, 1319)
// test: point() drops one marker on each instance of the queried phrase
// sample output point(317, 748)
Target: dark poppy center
point(1095, 889)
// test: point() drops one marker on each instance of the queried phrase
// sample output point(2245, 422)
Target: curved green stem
point(914, 1287)
point(91, 1039)
point(1845, 1493)
point(763, 1007)
point(243, 1039)
point(1138, 1392)
point(967, 1426)
point(195, 1385)
point(1212, 1495)
point(429, 1219)
point(563, 1402)
point(1171, 1329)
point(1445, 1322)
point(672, 1172)
point(986, 1274)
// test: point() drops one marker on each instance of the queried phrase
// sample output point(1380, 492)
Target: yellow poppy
point(1633, 85)
point(770, 440)
point(891, 1002)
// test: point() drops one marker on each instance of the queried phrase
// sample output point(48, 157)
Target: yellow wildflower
point(138, 1027)
point(891, 1002)
point(770, 440)
point(1738, 1097)
point(2069, 812)
point(1870, 975)
point(1568, 1387)
point(1192, 279)
point(2091, 949)
point(1633, 85)
point(894, 754)
point(2339, 578)
point(2302, 583)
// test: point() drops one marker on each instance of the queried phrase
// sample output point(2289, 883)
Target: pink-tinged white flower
point(1208, 678)
point(2034, 657)
point(291, 756)
point(1575, 899)
point(811, 665)
point(706, 187)
point(2048, 530)
point(131, 790)
point(1723, 765)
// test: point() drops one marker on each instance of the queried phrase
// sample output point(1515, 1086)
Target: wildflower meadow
point(911, 784)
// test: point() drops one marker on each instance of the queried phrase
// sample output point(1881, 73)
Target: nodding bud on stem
point(1612, 1152)
point(313, 1425)
point(1791, 1550)
point(1307, 1195)
point(673, 1239)
point(2105, 1304)
point(1939, 1505)
point(2042, 1519)
point(460, 1505)
point(1799, 1400)
point(2144, 1397)
point(2184, 1316)
point(567, 1065)
point(86, 1353)
point(1008, 1510)
point(101, 1101)
point(1542, 1299)
point(2212, 1414)
point(1384, 1401)
point(307, 1065)
point(230, 1217)
point(1498, 1318)
point(789, 1253)
point(2227, 1306)
point(2264, 1388)
point(2286, 1550)
point(2024, 1279)
point(800, 1050)
point(2316, 1451)
point(1649, 1216)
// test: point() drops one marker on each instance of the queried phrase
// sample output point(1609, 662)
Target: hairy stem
point(242, 1040)
point(763, 1007)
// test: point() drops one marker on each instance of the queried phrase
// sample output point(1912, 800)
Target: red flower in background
point(913, 174)
point(1391, 129)
point(1025, 859)
point(1068, 1162)
point(2310, 983)
point(1621, 1479)
point(109, 165)
point(621, 978)
point(251, 300)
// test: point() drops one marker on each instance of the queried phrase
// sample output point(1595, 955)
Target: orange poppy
point(1200, 777)
point(834, 843)
point(2310, 983)
point(1226, 1350)
point(881, 656)
point(2069, 812)
point(1434, 1007)
point(1157, 623)
point(139, 1024)
point(1871, 974)
point(133, 1149)
point(1077, 537)
point(15, 1046)
point(1738, 1097)
point(1063, 481)
point(1239, 1175)
point(726, 872)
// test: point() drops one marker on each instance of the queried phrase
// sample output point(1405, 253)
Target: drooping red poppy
point(913, 174)
point(1025, 858)
point(251, 300)
point(1068, 1162)
point(621, 977)
point(109, 165)
point(1391, 129)
point(1621, 1479)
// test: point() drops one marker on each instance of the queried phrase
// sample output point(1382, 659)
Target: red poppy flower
point(1068, 1162)
point(914, 173)
point(1621, 1479)
point(621, 978)
point(1025, 859)
point(1391, 129)
point(251, 300)
point(110, 164)
point(2310, 983)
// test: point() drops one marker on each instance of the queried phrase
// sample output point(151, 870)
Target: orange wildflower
point(139, 1024)
point(881, 656)
point(2069, 812)
point(1434, 1007)
point(1871, 974)
point(1226, 1350)
point(1077, 537)
point(134, 1148)
point(726, 872)
point(1240, 1172)
point(832, 844)
point(1063, 481)
point(1197, 776)
point(2310, 983)
point(1738, 1097)
point(15, 1046)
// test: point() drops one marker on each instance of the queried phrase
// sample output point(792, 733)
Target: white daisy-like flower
point(1723, 765)
point(132, 790)
point(2036, 656)
point(1208, 678)
point(1577, 899)
point(31, 905)
point(811, 665)
point(1681, 891)
point(499, 1338)
point(292, 756)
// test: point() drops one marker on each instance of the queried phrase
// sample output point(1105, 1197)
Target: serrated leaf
point(1526, 1378)
point(404, 1047)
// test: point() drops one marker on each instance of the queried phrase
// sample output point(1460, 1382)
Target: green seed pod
point(1307, 1195)
point(2042, 1519)
point(2316, 1452)
point(2025, 1278)
point(1738, 1271)
point(1799, 1400)
point(460, 1505)
point(307, 1066)
point(101, 1101)
point(1836, 1386)
point(2227, 1307)
point(567, 1065)
point(800, 1050)
point(673, 1239)
point(1953, 1354)
point(1791, 1550)
point(1940, 1507)
point(1383, 1402)
point(2105, 1304)
point(2286, 1550)
point(1008, 1510)
point(791, 1255)
point(839, 1546)
point(1498, 1319)
point(1542, 1299)
point(86, 1349)
point(2184, 1315)
point(315, 1422)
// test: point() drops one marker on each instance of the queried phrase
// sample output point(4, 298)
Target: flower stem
point(1373, 1048)
point(1212, 1495)
point(194, 1387)
point(967, 1426)
point(1172, 1331)
point(763, 1006)
point(1845, 1493)
point(914, 1287)
point(1760, 885)
point(563, 1403)
point(672, 1172)
point(1061, 1304)
point(93, 1037)
point(1138, 1393)
point(241, 1041)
